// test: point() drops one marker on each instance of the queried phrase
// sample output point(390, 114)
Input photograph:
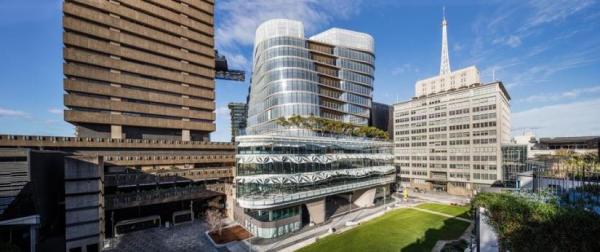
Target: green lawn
point(447, 209)
point(399, 230)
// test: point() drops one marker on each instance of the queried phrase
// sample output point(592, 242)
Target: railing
point(149, 197)
point(161, 177)
point(575, 186)
point(297, 132)
point(260, 202)
point(60, 141)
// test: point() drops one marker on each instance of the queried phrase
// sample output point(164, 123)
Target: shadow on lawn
point(451, 230)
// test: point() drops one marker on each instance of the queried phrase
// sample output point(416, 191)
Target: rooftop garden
point(322, 125)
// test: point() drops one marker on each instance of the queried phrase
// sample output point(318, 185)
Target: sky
point(546, 52)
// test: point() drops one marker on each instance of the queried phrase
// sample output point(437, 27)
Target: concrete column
point(364, 198)
point(116, 131)
point(32, 238)
point(316, 210)
point(185, 135)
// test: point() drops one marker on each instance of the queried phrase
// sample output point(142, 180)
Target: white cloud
point(404, 68)
point(549, 11)
point(571, 94)
point(222, 111)
point(568, 119)
point(56, 111)
point(513, 41)
point(457, 47)
point(4, 112)
point(242, 17)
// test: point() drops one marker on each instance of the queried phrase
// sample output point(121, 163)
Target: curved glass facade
point(297, 76)
point(280, 170)
point(269, 166)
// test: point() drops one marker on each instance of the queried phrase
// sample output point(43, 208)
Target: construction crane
point(223, 72)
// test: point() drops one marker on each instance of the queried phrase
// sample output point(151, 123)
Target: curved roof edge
point(278, 28)
point(346, 38)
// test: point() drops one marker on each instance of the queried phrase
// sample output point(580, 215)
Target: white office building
point(449, 136)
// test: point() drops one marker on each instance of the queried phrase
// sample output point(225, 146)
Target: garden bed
point(229, 234)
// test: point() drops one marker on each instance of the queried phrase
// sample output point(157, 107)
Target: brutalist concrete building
point(139, 82)
point(140, 69)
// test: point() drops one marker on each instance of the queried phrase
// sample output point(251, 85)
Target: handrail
point(268, 201)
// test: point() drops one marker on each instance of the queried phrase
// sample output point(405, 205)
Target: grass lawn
point(447, 209)
point(399, 230)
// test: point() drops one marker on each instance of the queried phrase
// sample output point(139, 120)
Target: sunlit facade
point(329, 75)
point(289, 177)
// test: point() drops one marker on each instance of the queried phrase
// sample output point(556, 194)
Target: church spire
point(445, 61)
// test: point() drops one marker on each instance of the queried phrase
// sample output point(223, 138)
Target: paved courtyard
point(186, 237)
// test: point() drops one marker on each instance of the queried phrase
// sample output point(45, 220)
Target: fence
point(574, 185)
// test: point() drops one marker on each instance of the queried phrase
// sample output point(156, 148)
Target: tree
point(296, 121)
point(529, 224)
point(281, 121)
point(323, 125)
point(214, 219)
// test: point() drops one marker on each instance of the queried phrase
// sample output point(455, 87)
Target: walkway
point(442, 214)
point(440, 197)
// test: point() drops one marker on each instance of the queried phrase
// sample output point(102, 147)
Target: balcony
point(166, 177)
point(269, 201)
point(159, 196)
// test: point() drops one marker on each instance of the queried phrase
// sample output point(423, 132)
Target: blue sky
point(547, 52)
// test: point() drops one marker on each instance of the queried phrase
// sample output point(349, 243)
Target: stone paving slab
point(185, 237)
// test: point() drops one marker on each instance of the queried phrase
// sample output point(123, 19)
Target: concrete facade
point(84, 203)
point(453, 141)
point(316, 210)
point(140, 69)
point(364, 198)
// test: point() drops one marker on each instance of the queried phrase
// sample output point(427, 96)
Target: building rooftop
point(555, 140)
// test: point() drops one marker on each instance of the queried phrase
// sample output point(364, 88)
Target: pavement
point(184, 237)
point(440, 197)
point(442, 214)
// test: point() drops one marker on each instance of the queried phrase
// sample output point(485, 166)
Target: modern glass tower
point(329, 75)
point(290, 176)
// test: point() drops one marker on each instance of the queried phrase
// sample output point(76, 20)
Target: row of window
point(355, 88)
point(484, 116)
point(484, 176)
point(356, 77)
point(484, 141)
point(353, 54)
point(484, 167)
point(356, 66)
point(484, 108)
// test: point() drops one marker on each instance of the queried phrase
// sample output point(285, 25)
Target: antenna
point(445, 59)
point(444, 11)
point(493, 74)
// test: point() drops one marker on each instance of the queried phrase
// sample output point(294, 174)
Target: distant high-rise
point(140, 69)
point(239, 114)
point(381, 117)
point(329, 75)
point(449, 137)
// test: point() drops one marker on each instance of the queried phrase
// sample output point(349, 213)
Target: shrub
point(525, 224)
